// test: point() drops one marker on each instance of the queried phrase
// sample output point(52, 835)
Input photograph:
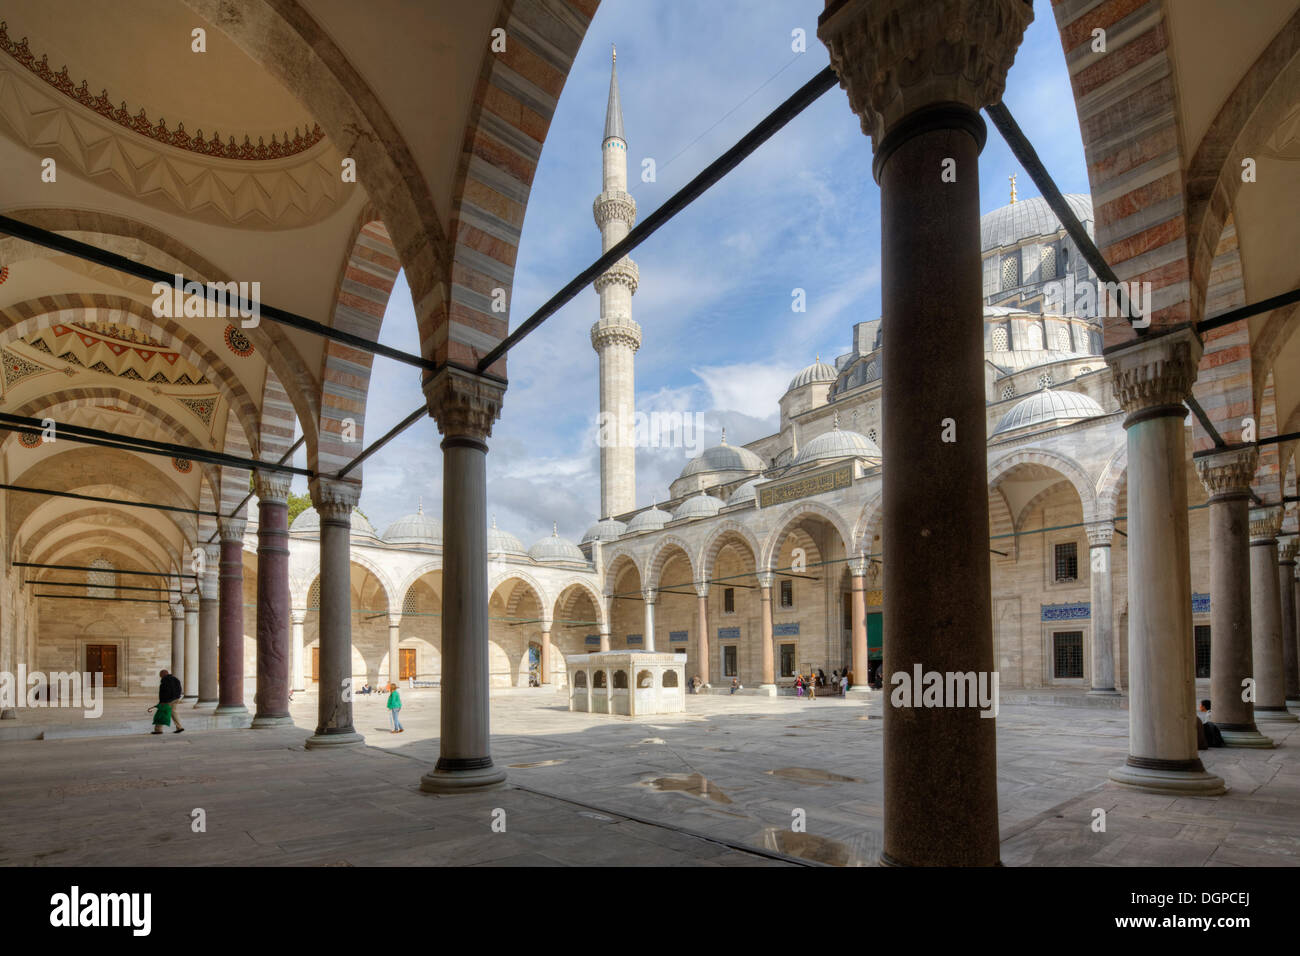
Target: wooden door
point(103, 657)
point(315, 665)
point(406, 662)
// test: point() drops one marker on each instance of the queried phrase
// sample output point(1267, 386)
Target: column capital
point(209, 581)
point(231, 529)
point(895, 57)
point(1228, 472)
point(394, 620)
point(1099, 533)
point(191, 602)
point(858, 569)
point(1265, 524)
point(463, 403)
point(271, 486)
point(1286, 550)
point(1156, 371)
point(299, 615)
point(546, 625)
point(178, 611)
point(333, 499)
point(765, 578)
point(650, 595)
point(702, 589)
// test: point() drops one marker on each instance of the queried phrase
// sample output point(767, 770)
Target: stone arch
point(312, 572)
point(501, 577)
point(663, 552)
point(412, 577)
point(614, 559)
point(33, 542)
point(717, 540)
point(519, 594)
point(1069, 469)
point(276, 424)
point(597, 599)
point(1111, 480)
point(869, 521)
point(133, 557)
point(792, 514)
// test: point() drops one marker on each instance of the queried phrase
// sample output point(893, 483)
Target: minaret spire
point(614, 108)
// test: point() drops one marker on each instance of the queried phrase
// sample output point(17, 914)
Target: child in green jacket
point(394, 707)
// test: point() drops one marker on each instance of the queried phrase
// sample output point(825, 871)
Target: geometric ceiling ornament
point(116, 350)
point(237, 342)
point(183, 465)
point(29, 439)
point(201, 407)
point(4, 274)
point(17, 368)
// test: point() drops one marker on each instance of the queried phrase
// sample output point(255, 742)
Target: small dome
point(698, 506)
point(607, 529)
point(361, 527)
point(838, 443)
point(815, 374)
point(418, 528)
point(503, 542)
point(722, 457)
point(307, 521)
point(652, 519)
point(1049, 407)
point(556, 548)
point(746, 492)
point(1028, 218)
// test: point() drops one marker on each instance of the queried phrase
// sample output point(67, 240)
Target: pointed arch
point(792, 514)
point(1071, 470)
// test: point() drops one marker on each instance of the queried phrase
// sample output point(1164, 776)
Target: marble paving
point(720, 785)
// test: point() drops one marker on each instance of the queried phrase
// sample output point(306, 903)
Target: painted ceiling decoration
point(183, 465)
point(4, 274)
point(17, 368)
point(237, 342)
point(29, 439)
point(203, 408)
point(115, 350)
point(140, 123)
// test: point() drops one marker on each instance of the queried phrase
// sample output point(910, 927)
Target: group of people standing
point(839, 683)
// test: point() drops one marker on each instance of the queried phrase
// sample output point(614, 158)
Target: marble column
point(649, 595)
point(296, 639)
point(544, 664)
point(273, 612)
point(1226, 477)
point(1266, 618)
point(394, 645)
point(177, 665)
point(334, 501)
point(917, 85)
point(1295, 636)
point(860, 665)
point(190, 678)
point(604, 637)
point(1152, 376)
point(209, 628)
point(768, 671)
point(465, 405)
point(701, 632)
point(1102, 611)
point(230, 664)
point(1286, 552)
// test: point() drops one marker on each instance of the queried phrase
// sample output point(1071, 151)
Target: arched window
point(410, 603)
point(1045, 380)
point(101, 582)
point(1063, 340)
point(1047, 262)
point(1011, 271)
point(1000, 339)
point(313, 596)
point(580, 679)
point(620, 680)
point(873, 371)
point(645, 679)
point(874, 436)
point(670, 678)
point(598, 679)
point(1008, 391)
point(1035, 338)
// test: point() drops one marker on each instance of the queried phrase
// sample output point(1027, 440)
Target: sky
point(720, 341)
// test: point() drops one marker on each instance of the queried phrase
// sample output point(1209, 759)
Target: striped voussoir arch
point(1126, 101)
point(364, 286)
point(514, 101)
point(1224, 385)
point(277, 419)
point(234, 481)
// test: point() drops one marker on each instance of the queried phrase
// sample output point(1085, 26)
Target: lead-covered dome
point(361, 526)
point(838, 443)
point(418, 528)
point(607, 529)
point(652, 519)
point(723, 457)
point(1049, 407)
point(1028, 218)
point(308, 521)
point(698, 506)
point(815, 374)
point(503, 542)
point(556, 548)
point(746, 492)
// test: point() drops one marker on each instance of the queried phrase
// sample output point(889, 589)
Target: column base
point(490, 777)
point(334, 741)
point(261, 720)
point(1104, 692)
point(1279, 716)
point(1246, 738)
point(1189, 783)
point(766, 690)
point(231, 709)
point(207, 705)
point(189, 698)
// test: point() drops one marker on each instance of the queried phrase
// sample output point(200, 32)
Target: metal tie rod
point(108, 501)
point(1246, 311)
point(82, 567)
point(82, 250)
point(756, 137)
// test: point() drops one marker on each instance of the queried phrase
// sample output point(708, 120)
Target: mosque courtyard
point(736, 780)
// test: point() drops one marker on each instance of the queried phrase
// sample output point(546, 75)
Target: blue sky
point(719, 336)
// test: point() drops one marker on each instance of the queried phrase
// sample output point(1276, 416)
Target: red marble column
point(273, 621)
point(230, 652)
point(859, 664)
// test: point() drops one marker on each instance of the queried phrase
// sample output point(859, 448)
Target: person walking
point(395, 707)
point(169, 695)
point(812, 686)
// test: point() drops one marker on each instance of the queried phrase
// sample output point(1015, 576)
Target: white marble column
point(1295, 637)
point(190, 679)
point(1102, 612)
point(209, 584)
point(649, 595)
point(465, 405)
point(767, 678)
point(859, 663)
point(702, 632)
point(296, 676)
point(604, 637)
point(1152, 377)
point(544, 665)
point(1266, 618)
point(394, 641)
point(177, 666)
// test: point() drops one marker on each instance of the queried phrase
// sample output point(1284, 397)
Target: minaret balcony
point(623, 271)
point(614, 205)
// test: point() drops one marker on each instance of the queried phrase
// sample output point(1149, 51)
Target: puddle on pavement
point(695, 784)
point(811, 775)
point(536, 763)
point(809, 846)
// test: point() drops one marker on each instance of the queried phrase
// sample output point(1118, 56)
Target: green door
point(875, 636)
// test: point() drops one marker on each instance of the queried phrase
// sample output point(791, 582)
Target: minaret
point(616, 337)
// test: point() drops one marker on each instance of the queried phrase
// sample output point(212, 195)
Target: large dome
point(815, 374)
point(698, 506)
point(723, 457)
point(1028, 218)
point(418, 528)
point(838, 443)
point(503, 542)
point(1049, 407)
point(556, 548)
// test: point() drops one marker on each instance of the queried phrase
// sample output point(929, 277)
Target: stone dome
point(556, 548)
point(503, 542)
point(815, 374)
point(418, 528)
point(838, 443)
point(361, 527)
point(1049, 407)
point(308, 521)
point(1028, 218)
point(652, 519)
point(723, 457)
point(698, 506)
point(607, 529)
point(746, 492)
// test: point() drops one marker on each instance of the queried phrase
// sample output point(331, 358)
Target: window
point(1047, 261)
point(620, 680)
point(787, 660)
point(728, 600)
point(787, 593)
point(669, 678)
point(1202, 638)
point(1000, 339)
point(1008, 391)
point(1067, 563)
point(1063, 340)
point(101, 581)
point(1045, 380)
point(1034, 338)
point(874, 436)
point(729, 661)
point(1010, 272)
point(598, 679)
point(1067, 655)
